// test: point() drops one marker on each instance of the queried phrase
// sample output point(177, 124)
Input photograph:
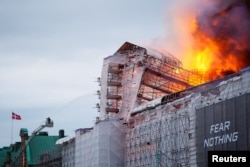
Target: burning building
point(153, 112)
point(135, 75)
point(179, 131)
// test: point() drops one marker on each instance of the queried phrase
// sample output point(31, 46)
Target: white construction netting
point(102, 146)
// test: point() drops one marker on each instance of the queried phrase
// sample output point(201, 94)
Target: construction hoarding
point(223, 126)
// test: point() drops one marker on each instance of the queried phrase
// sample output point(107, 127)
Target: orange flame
point(208, 58)
point(204, 54)
point(211, 36)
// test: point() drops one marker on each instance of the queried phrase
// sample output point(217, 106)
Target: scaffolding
point(163, 142)
point(102, 145)
point(135, 75)
point(114, 87)
point(165, 76)
point(165, 134)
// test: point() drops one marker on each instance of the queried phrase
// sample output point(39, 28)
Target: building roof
point(65, 139)
point(8, 152)
point(3, 153)
point(149, 51)
point(38, 145)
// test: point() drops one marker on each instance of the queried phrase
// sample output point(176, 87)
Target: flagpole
point(11, 130)
point(15, 117)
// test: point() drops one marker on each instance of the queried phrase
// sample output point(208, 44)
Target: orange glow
point(177, 71)
point(210, 37)
point(203, 53)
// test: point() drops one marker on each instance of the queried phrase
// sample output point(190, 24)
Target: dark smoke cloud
point(227, 23)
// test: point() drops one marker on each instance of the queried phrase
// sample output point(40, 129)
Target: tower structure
point(23, 155)
point(134, 75)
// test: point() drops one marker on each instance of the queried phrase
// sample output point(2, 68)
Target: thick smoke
point(227, 24)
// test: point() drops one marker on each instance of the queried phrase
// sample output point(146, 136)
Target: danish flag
point(15, 116)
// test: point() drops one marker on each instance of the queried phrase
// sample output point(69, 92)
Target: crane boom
point(48, 123)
